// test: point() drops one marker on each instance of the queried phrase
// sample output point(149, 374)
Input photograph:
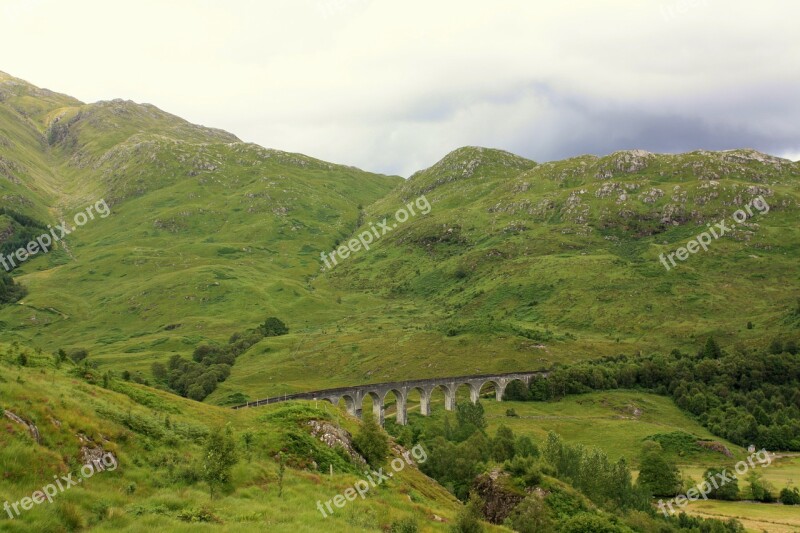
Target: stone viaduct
point(354, 396)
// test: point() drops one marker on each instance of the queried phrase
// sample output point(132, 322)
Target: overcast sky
point(392, 86)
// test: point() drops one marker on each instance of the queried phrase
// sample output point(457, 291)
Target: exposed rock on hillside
point(498, 495)
point(334, 436)
point(30, 426)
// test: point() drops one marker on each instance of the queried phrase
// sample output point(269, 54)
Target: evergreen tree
point(711, 350)
point(657, 474)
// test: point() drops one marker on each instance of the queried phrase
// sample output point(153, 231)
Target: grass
point(518, 266)
point(152, 486)
point(773, 518)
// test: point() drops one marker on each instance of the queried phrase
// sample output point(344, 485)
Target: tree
point(726, 490)
point(159, 371)
point(531, 515)
point(247, 440)
point(791, 347)
point(776, 347)
point(470, 417)
point(525, 447)
point(589, 523)
point(10, 292)
point(371, 442)
point(657, 474)
point(790, 496)
point(503, 444)
point(219, 457)
point(273, 327)
point(469, 519)
point(78, 354)
point(759, 490)
point(516, 391)
point(711, 349)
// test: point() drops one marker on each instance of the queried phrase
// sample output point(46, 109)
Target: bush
point(198, 515)
point(517, 391)
point(530, 516)
point(590, 523)
point(77, 355)
point(371, 442)
point(273, 327)
point(468, 520)
point(10, 292)
point(727, 491)
point(656, 473)
point(790, 496)
point(406, 525)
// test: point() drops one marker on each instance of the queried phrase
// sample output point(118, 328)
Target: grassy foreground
point(157, 439)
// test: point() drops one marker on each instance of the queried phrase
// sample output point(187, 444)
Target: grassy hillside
point(157, 439)
point(206, 233)
point(518, 265)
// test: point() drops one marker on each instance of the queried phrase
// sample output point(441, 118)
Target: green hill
point(517, 265)
point(153, 480)
point(183, 240)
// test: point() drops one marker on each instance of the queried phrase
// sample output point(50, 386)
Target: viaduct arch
point(354, 396)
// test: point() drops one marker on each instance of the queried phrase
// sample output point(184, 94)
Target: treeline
point(10, 291)
point(555, 487)
point(25, 230)
point(210, 365)
point(746, 396)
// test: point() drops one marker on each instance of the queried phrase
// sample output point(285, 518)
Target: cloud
point(393, 86)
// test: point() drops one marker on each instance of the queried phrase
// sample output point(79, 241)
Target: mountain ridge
point(517, 264)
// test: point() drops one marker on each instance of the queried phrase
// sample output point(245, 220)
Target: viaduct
point(354, 396)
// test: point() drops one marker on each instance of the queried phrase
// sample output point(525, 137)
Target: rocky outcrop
point(30, 426)
point(498, 494)
point(715, 446)
point(93, 453)
point(334, 436)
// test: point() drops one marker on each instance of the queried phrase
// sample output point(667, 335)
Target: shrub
point(78, 354)
point(273, 327)
point(590, 523)
point(10, 292)
point(219, 459)
point(790, 496)
point(371, 442)
point(405, 525)
point(530, 516)
point(198, 515)
point(468, 520)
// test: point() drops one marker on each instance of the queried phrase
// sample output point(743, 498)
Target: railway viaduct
point(354, 396)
